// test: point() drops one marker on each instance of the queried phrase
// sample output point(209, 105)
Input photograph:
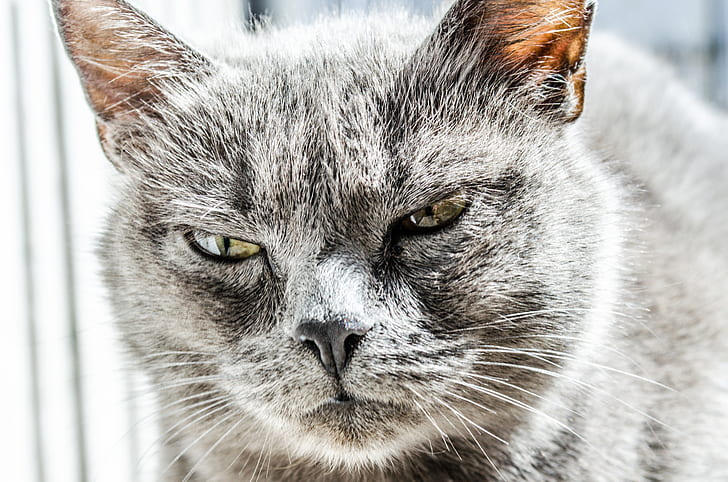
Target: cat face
point(423, 237)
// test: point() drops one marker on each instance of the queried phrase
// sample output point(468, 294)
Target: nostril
point(311, 345)
point(350, 344)
point(333, 341)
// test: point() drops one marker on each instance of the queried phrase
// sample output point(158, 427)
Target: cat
point(382, 249)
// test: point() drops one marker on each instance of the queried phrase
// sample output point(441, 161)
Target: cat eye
point(435, 216)
point(222, 247)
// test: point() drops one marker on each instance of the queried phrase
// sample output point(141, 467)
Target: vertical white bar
point(57, 381)
point(69, 289)
point(723, 63)
point(18, 443)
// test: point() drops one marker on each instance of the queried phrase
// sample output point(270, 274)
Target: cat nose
point(333, 340)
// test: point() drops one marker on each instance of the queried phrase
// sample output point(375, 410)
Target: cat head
point(361, 247)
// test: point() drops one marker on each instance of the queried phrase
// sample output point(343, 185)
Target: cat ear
point(535, 46)
point(121, 55)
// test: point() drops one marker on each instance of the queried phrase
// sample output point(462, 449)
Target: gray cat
point(371, 251)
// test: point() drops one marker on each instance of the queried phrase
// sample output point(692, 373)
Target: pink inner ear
point(536, 47)
point(548, 38)
point(551, 33)
point(115, 88)
point(119, 52)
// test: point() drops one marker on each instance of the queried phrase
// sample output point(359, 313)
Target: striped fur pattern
point(569, 325)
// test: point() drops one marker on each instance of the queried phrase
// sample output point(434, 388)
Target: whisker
point(516, 387)
point(207, 405)
point(582, 341)
point(212, 447)
point(578, 382)
point(260, 456)
point(190, 381)
point(447, 438)
point(512, 401)
point(200, 437)
point(164, 409)
point(240, 454)
point(443, 435)
point(201, 414)
point(529, 408)
point(463, 418)
point(169, 353)
point(516, 352)
point(508, 318)
point(485, 431)
point(538, 354)
point(163, 366)
point(487, 409)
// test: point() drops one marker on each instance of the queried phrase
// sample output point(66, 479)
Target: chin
point(355, 434)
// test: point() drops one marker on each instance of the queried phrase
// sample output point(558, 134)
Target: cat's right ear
point(122, 56)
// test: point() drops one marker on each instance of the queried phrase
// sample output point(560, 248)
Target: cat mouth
point(345, 406)
point(342, 398)
point(342, 402)
point(346, 422)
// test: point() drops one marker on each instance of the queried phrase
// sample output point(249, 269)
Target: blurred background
point(69, 411)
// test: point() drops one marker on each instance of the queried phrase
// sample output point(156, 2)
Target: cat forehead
point(293, 129)
point(307, 120)
point(317, 125)
point(300, 123)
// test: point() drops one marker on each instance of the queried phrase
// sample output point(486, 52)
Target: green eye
point(223, 246)
point(435, 216)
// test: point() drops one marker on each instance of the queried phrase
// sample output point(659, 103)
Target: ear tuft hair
point(121, 54)
point(534, 45)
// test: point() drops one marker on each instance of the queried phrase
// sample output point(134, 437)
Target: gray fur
point(569, 326)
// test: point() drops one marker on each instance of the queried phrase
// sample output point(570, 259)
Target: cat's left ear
point(533, 47)
point(122, 56)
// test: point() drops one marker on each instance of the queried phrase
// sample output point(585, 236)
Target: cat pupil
point(223, 245)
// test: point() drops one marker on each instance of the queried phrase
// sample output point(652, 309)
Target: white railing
point(69, 410)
